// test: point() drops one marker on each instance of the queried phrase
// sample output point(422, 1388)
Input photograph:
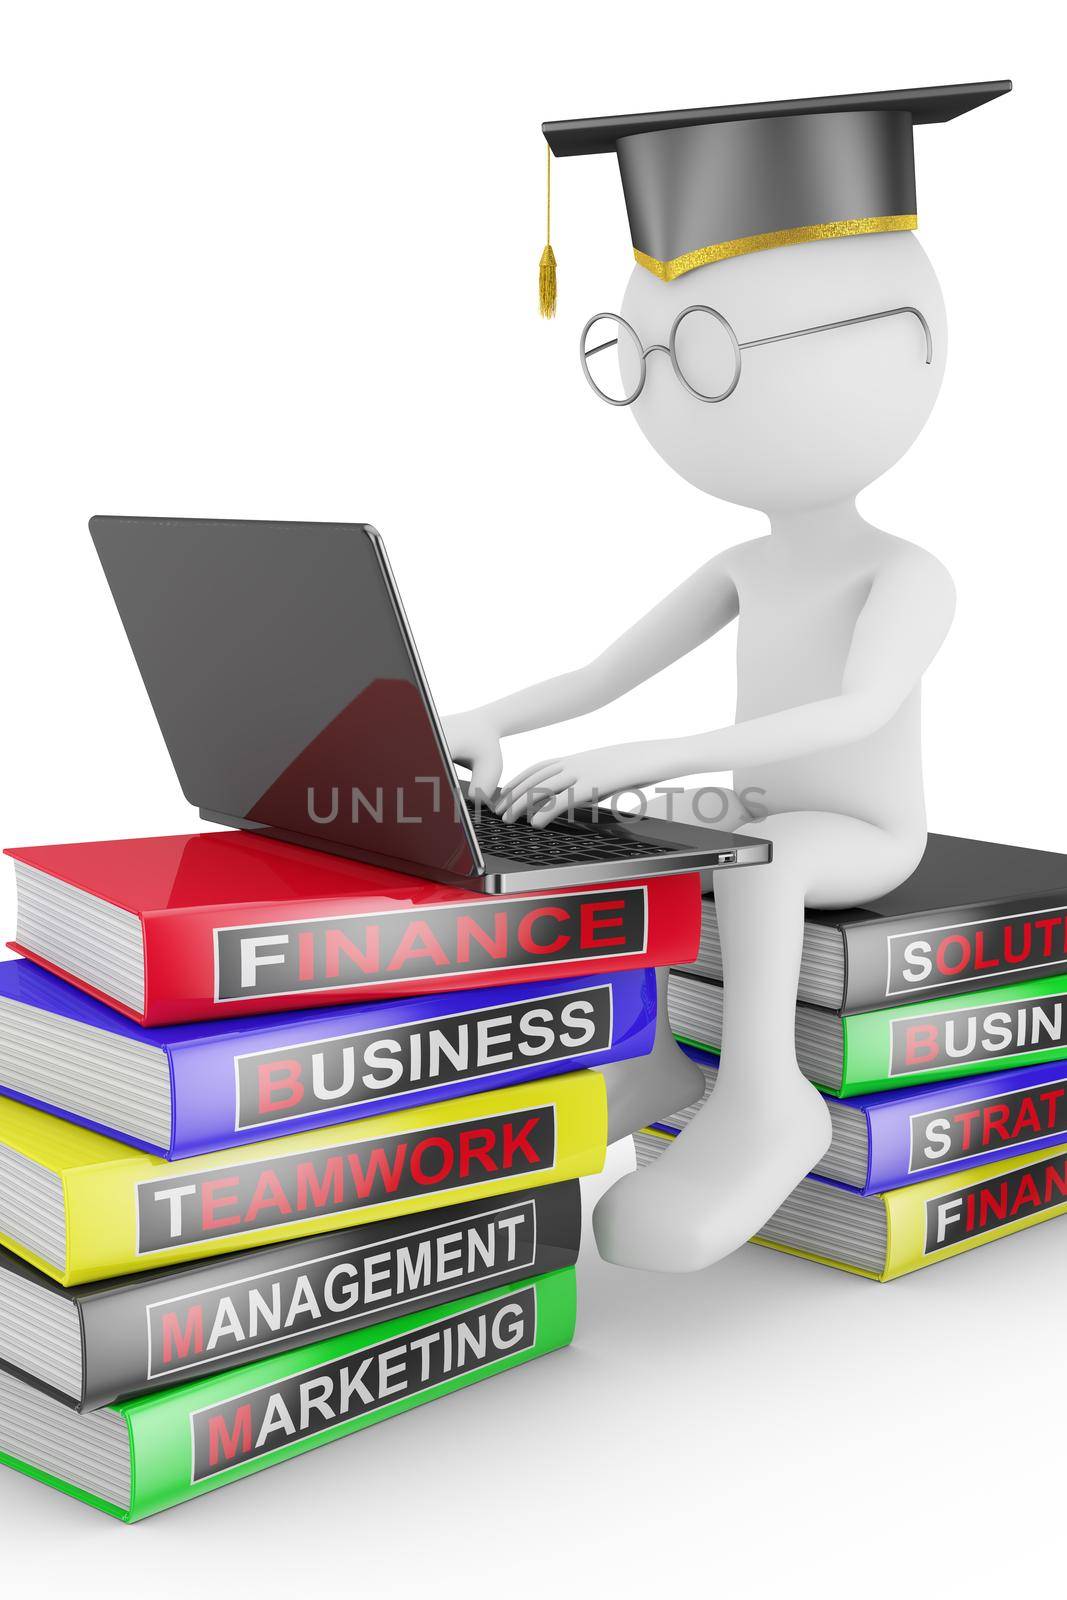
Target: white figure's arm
point(899, 631)
point(702, 606)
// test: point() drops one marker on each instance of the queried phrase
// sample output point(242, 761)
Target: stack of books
point(289, 1145)
point(935, 1022)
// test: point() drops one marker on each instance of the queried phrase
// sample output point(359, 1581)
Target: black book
point(101, 1342)
point(972, 916)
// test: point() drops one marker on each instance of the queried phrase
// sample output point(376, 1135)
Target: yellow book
point(883, 1236)
point(81, 1206)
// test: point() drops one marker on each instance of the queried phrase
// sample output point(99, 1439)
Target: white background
point(280, 260)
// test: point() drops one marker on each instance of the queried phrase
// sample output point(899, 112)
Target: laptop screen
point(285, 682)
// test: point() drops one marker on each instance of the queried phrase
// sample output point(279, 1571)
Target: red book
point(214, 925)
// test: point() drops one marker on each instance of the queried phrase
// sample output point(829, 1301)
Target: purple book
point(903, 1136)
point(189, 1089)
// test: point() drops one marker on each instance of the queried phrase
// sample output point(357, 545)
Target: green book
point(954, 1036)
point(141, 1456)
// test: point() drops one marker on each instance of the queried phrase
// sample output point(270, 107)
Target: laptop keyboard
point(558, 843)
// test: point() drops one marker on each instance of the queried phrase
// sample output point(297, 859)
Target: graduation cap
point(723, 181)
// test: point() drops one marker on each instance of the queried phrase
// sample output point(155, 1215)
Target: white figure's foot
point(650, 1087)
point(718, 1182)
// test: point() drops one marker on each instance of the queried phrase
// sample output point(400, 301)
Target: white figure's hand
point(474, 742)
point(548, 788)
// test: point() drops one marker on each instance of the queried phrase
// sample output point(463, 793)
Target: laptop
point(286, 682)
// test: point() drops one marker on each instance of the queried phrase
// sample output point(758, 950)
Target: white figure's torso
point(799, 599)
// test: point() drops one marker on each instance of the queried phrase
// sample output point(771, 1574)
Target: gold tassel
point(546, 282)
point(546, 278)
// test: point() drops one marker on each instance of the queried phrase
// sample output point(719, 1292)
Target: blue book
point(188, 1089)
point(902, 1136)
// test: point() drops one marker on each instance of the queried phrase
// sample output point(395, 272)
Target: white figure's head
point(812, 420)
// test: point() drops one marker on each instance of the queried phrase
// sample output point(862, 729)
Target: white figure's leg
point(650, 1087)
point(765, 1126)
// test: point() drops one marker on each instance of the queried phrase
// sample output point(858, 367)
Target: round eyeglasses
point(705, 351)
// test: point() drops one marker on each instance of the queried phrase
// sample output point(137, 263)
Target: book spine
point(932, 1221)
point(207, 963)
point(148, 1333)
point(259, 1081)
point(954, 1037)
point(901, 960)
point(137, 1213)
point(198, 1437)
point(965, 1124)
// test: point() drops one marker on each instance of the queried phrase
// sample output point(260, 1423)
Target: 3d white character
point(786, 377)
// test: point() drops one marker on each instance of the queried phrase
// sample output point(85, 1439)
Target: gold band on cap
point(669, 270)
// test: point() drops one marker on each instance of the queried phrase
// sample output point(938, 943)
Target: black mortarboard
point(723, 181)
